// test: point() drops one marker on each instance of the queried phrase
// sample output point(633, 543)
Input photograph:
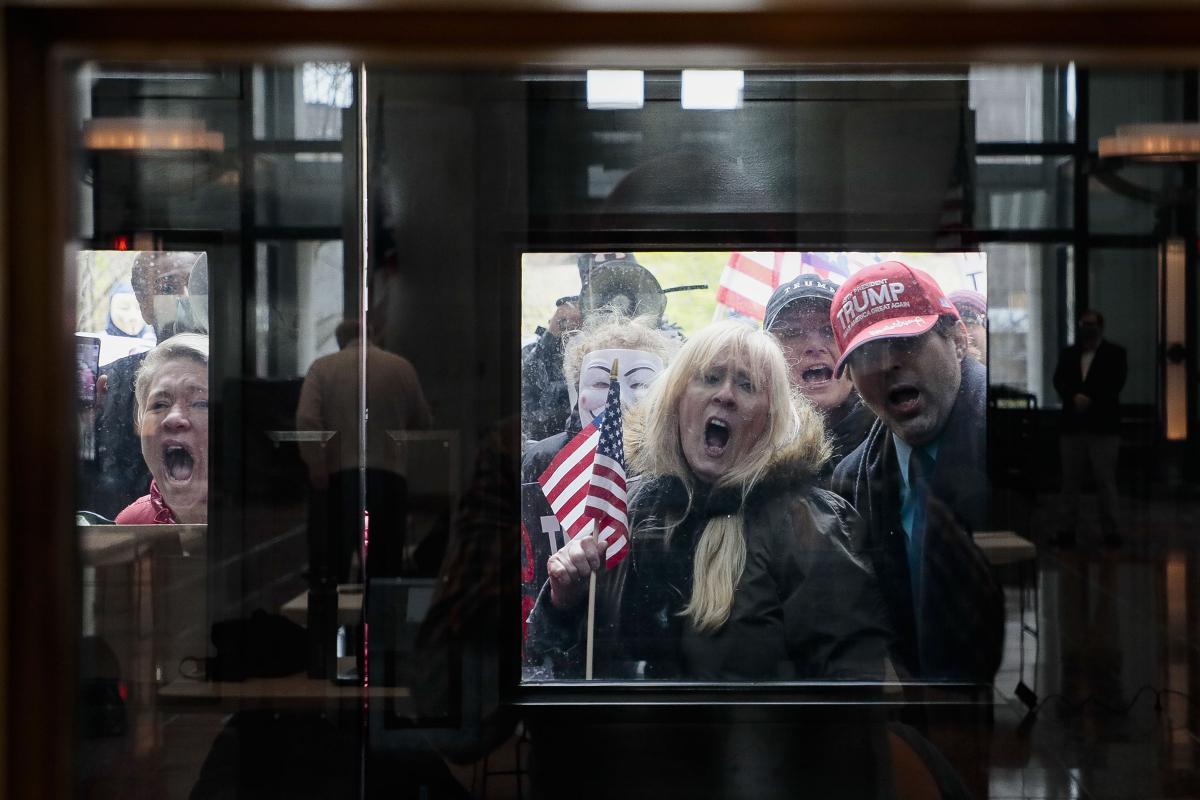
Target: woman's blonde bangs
point(654, 446)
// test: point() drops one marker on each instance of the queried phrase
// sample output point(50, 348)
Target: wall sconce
point(1164, 141)
point(135, 133)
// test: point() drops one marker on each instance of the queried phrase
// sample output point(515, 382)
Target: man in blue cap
point(798, 316)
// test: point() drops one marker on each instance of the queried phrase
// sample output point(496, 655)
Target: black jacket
point(545, 402)
point(847, 434)
point(538, 455)
point(804, 608)
point(956, 631)
point(120, 474)
point(1106, 378)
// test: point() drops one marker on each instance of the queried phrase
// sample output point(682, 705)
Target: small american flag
point(585, 483)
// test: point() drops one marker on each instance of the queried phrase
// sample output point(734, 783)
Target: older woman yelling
point(741, 568)
point(171, 393)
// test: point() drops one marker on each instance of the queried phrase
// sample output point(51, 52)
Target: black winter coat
point(119, 474)
point(545, 401)
point(847, 434)
point(955, 631)
point(805, 607)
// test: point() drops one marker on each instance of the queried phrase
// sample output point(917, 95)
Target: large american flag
point(749, 278)
point(585, 483)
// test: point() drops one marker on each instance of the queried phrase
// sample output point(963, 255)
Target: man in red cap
point(919, 478)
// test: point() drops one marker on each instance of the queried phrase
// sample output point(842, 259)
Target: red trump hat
point(885, 301)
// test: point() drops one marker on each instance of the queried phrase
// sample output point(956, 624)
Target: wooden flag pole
point(591, 629)
point(614, 375)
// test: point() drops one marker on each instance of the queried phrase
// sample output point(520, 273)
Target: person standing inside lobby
point(1089, 378)
point(330, 402)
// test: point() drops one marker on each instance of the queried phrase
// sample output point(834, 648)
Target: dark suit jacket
point(1105, 379)
point(955, 630)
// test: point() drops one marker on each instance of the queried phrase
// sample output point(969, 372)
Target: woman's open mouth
point(904, 399)
point(178, 461)
point(817, 375)
point(716, 437)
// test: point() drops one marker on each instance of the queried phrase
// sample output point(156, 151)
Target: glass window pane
point(1023, 192)
point(235, 498)
point(363, 477)
point(1127, 204)
point(1132, 96)
point(1123, 286)
point(306, 102)
point(300, 189)
point(299, 302)
point(1026, 287)
point(1022, 103)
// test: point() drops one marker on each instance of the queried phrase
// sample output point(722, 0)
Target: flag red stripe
point(563, 455)
point(602, 470)
point(741, 304)
point(750, 267)
point(616, 552)
point(577, 500)
point(609, 465)
point(612, 531)
point(580, 441)
point(617, 501)
point(558, 487)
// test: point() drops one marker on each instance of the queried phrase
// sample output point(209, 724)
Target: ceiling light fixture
point(1164, 141)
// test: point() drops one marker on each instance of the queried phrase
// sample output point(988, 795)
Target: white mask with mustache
point(637, 368)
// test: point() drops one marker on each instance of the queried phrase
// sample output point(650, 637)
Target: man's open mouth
point(178, 461)
point(818, 374)
point(904, 399)
point(716, 436)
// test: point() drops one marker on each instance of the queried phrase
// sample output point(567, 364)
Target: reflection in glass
point(708, 429)
point(1022, 103)
point(346, 620)
point(171, 401)
point(1022, 192)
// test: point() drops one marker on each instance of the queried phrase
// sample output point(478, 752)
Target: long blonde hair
point(655, 449)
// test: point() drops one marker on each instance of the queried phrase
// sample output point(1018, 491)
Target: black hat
point(617, 281)
point(587, 262)
point(801, 288)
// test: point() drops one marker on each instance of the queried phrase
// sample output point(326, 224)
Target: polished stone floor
point(1112, 652)
point(1114, 664)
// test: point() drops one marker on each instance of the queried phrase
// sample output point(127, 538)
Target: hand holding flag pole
point(614, 384)
point(585, 485)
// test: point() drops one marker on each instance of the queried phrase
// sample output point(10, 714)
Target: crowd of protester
point(801, 498)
